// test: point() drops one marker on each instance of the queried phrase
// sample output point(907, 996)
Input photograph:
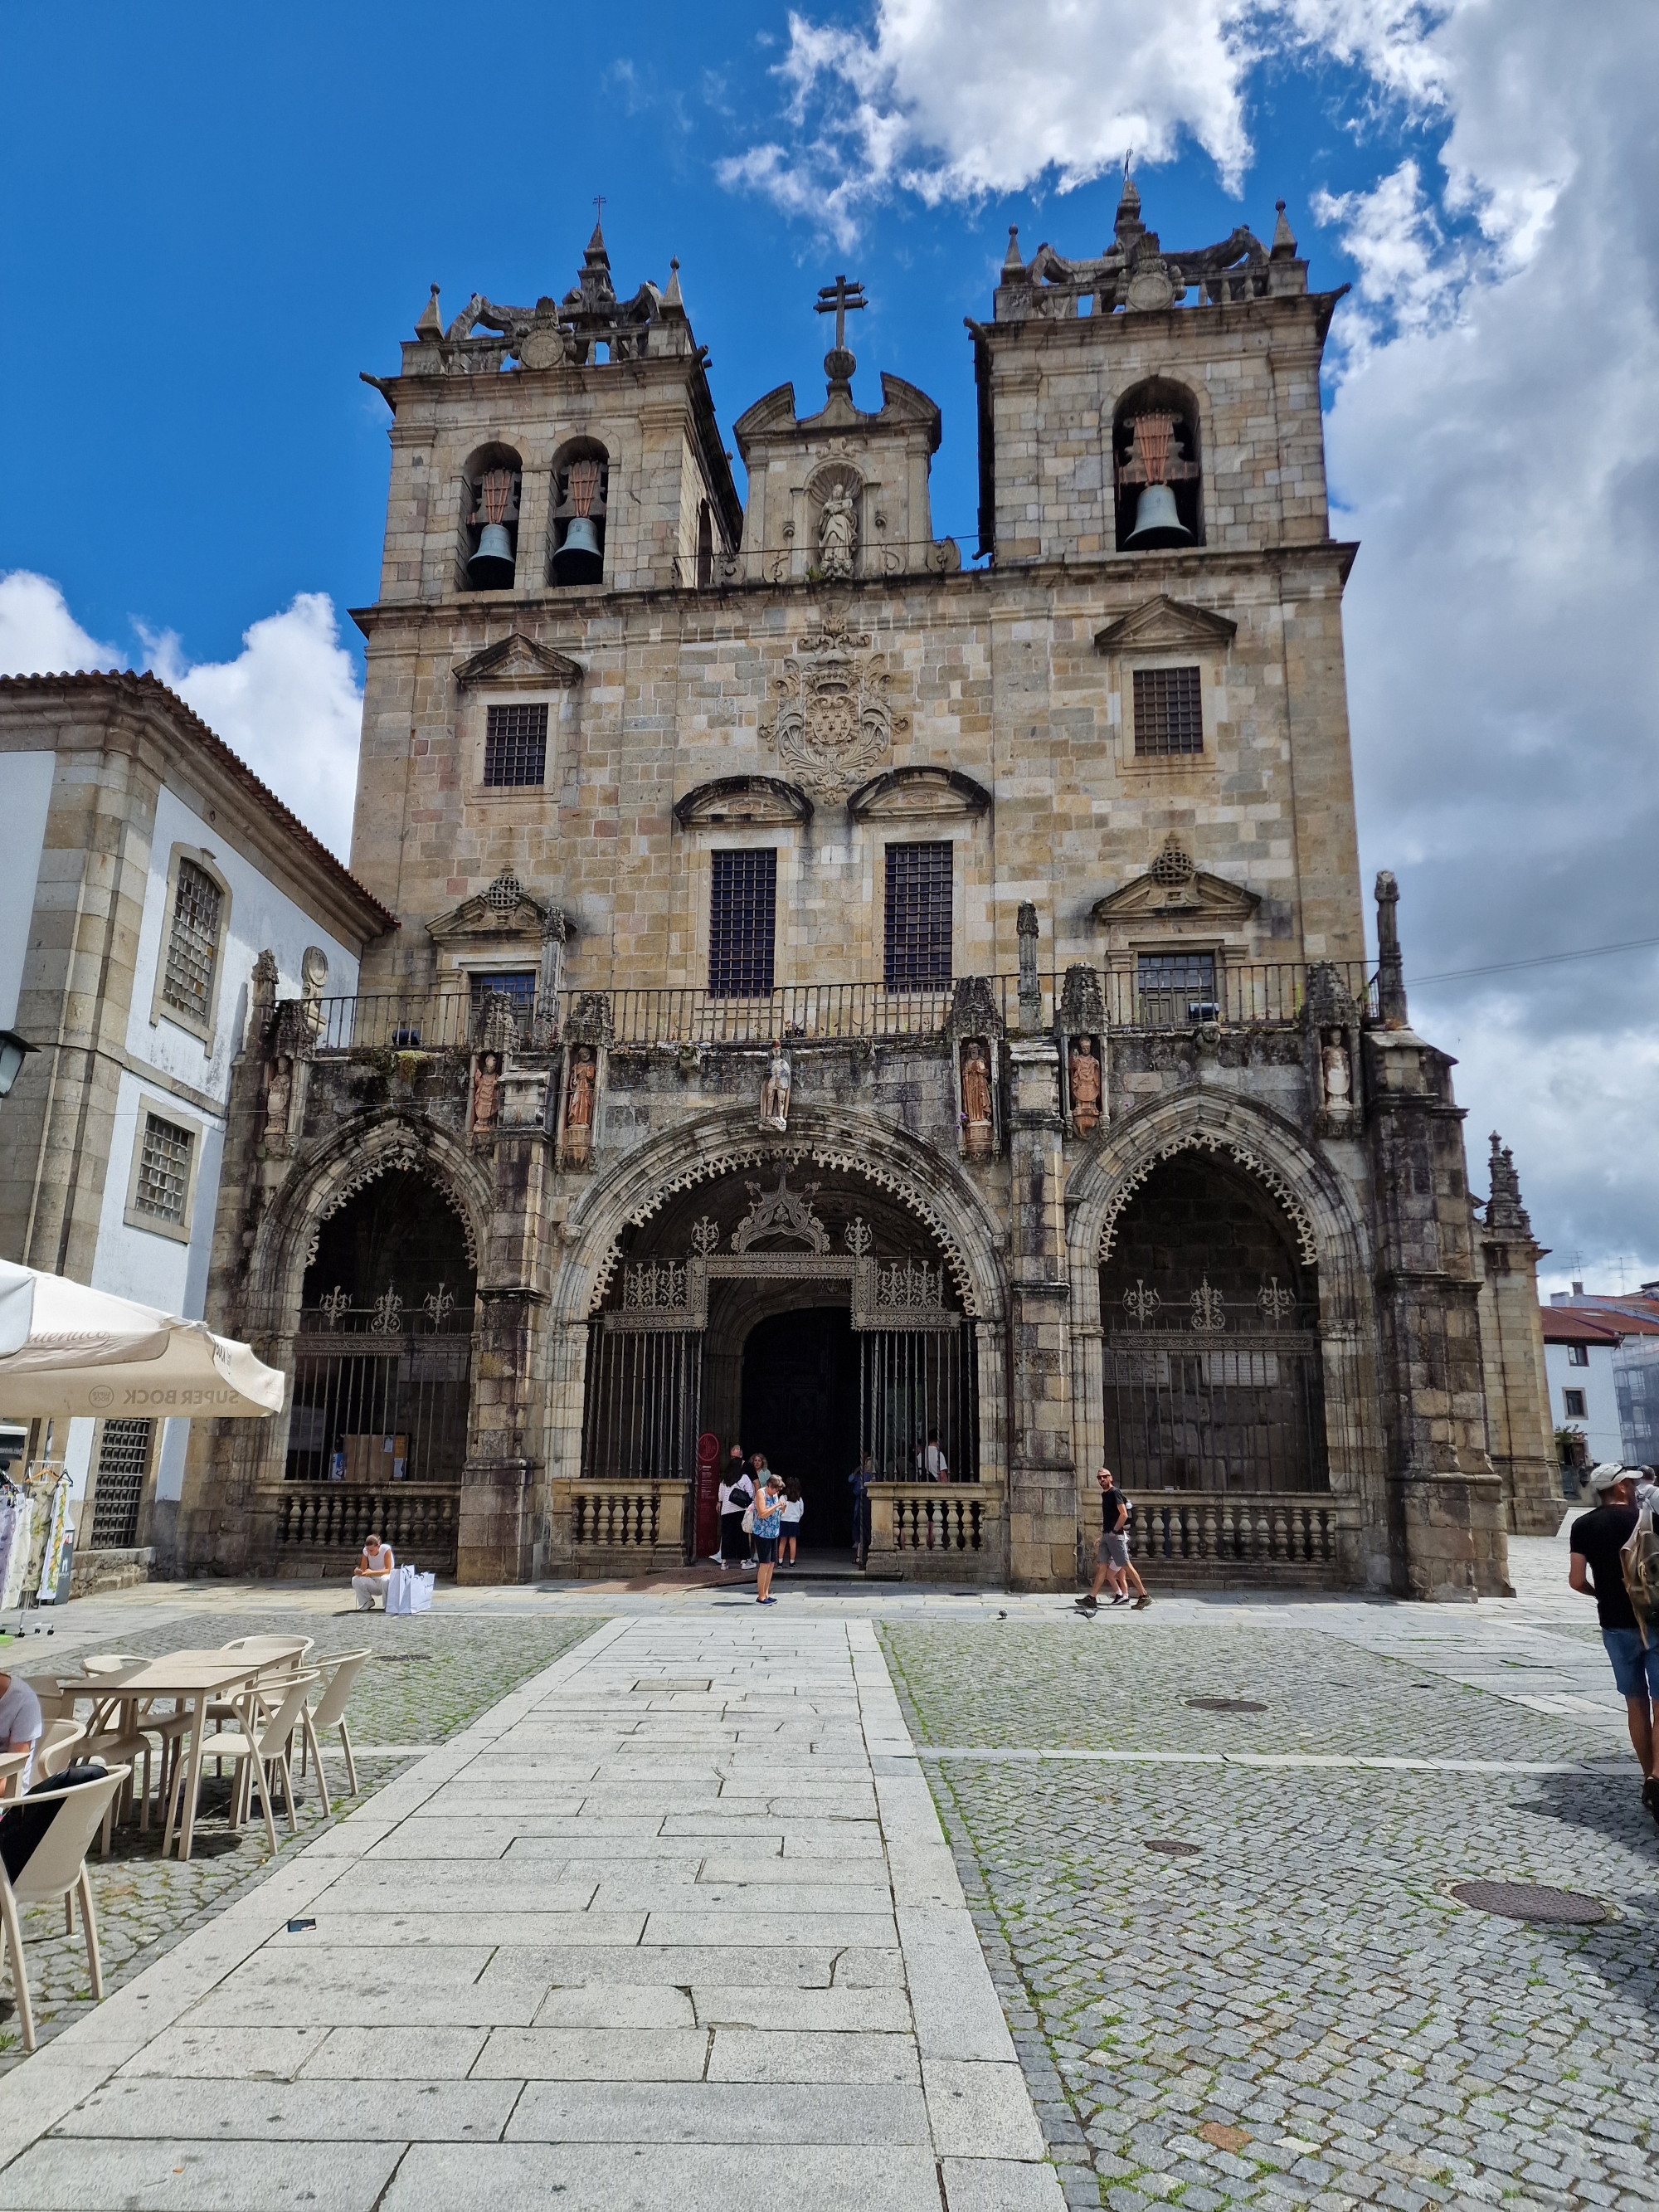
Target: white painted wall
point(1600, 1421)
point(24, 802)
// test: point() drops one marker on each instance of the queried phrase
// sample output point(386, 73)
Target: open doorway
point(800, 1406)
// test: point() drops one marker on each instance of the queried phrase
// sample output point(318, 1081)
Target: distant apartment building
point(153, 885)
point(1577, 1321)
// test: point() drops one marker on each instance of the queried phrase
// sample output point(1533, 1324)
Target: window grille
point(742, 924)
point(918, 945)
point(193, 942)
point(163, 1169)
point(123, 1464)
point(1169, 717)
point(518, 984)
point(1573, 1405)
point(515, 744)
point(1176, 988)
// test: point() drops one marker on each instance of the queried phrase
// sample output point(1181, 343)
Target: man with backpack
point(1113, 1563)
point(1603, 1566)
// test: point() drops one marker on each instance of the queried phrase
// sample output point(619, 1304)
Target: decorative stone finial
point(840, 299)
point(1504, 1210)
point(1284, 245)
point(1011, 264)
point(430, 327)
point(672, 301)
point(1390, 966)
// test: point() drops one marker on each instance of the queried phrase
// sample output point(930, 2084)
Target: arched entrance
point(799, 1405)
point(1212, 1376)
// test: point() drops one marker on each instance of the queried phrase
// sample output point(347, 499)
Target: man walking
point(1112, 1551)
point(1597, 1538)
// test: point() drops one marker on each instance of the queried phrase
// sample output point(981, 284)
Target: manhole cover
point(673, 1682)
point(1171, 1849)
point(1520, 1900)
point(1226, 1704)
point(401, 1658)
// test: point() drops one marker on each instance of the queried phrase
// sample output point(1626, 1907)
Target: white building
point(1579, 1352)
point(149, 870)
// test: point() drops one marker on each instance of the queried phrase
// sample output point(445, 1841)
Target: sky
point(215, 217)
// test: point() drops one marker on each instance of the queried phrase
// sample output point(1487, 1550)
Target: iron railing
point(1255, 994)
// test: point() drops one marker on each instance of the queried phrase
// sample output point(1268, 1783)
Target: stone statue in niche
point(279, 1096)
point(1336, 1076)
point(579, 1105)
point(1083, 1068)
point(774, 1092)
point(838, 533)
point(314, 978)
point(486, 1091)
point(977, 1122)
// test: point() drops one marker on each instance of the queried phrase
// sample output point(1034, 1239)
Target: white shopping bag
point(408, 1591)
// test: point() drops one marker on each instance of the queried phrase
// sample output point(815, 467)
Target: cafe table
point(193, 1680)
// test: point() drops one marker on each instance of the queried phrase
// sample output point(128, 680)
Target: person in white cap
point(1595, 1568)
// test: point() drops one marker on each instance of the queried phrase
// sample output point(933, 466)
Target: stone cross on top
point(838, 300)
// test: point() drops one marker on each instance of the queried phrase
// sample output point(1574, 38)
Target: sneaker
point(769, 1601)
point(1142, 1602)
point(1085, 1604)
point(1120, 1600)
point(1650, 1794)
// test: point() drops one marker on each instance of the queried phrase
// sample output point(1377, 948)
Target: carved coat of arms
point(830, 722)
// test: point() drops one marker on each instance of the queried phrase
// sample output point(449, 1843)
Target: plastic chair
point(57, 1743)
point(286, 1654)
point(112, 1662)
point(256, 1745)
point(329, 1712)
point(57, 1868)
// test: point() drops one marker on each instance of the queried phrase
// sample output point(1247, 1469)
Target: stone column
point(1042, 1471)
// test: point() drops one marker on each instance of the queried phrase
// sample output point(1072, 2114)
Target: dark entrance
point(800, 1406)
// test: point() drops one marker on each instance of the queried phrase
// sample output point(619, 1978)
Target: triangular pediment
point(518, 662)
point(505, 910)
point(742, 798)
point(915, 792)
point(1166, 625)
point(1200, 897)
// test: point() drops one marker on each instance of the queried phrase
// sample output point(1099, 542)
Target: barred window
point(163, 1189)
point(1175, 987)
point(123, 1464)
point(918, 937)
point(515, 744)
point(518, 984)
point(742, 924)
point(192, 943)
point(1169, 718)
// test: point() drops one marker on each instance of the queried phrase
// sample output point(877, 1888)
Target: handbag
point(749, 1519)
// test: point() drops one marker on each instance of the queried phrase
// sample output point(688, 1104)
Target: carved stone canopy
point(742, 798)
point(1166, 625)
point(518, 662)
point(1174, 886)
point(504, 910)
point(915, 792)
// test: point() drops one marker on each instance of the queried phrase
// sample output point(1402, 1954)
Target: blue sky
point(216, 217)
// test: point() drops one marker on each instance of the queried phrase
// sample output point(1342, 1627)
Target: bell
point(578, 560)
point(492, 567)
point(1156, 523)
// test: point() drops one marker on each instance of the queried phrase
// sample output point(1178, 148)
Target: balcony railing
point(1254, 994)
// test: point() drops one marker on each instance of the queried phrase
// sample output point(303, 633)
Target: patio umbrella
point(67, 1350)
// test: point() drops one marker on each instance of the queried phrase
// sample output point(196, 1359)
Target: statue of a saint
point(838, 533)
point(314, 976)
point(1084, 1067)
point(774, 1092)
point(579, 1105)
point(486, 1086)
point(1338, 1076)
point(279, 1093)
point(976, 1098)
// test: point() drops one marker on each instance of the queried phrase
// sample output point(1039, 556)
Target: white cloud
point(39, 635)
point(290, 704)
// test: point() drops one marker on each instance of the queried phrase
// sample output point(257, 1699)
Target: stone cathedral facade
point(869, 1008)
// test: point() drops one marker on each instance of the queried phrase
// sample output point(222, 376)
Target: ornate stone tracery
point(1207, 1141)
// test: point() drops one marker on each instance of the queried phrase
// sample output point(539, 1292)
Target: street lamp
point(12, 1051)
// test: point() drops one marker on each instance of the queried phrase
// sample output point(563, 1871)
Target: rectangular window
point(192, 943)
point(515, 744)
point(1175, 988)
point(742, 924)
point(122, 1465)
point(918, 937)
point(1169, 718)
point(518, 984)
point(1573, 1405)
point(163, 1190)
point(1578, 1355)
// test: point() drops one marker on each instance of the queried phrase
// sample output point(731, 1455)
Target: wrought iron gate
point(915, 1385)
point(640, 1414)
point(379, 1396)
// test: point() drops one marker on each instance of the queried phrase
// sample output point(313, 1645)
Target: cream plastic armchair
point(329, 1712)
point(258, 1745)
point(57, 1867)
point(56, 1747)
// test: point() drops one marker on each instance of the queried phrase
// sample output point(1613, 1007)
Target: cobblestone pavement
point(429, 1676)
point(1300, 2013)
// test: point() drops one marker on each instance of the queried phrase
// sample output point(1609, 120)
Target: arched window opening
point(1156, 469)
point(582, 495)
point(1213, 1379)
point(705, 546)
point(492, 479)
